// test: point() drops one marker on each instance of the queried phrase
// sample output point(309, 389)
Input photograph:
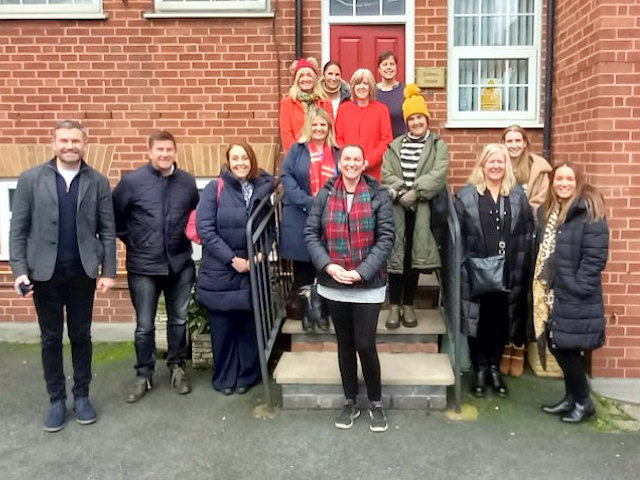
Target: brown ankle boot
point(517, 361)
point(505, 362)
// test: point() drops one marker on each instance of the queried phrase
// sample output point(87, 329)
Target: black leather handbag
point(486, 275)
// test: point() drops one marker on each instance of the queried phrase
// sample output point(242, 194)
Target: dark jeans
point(145, 291)
point(493, 330)
point(235, 349)
point(575, 380)
point(75, 294)
point(403, 286)
point(355, 325)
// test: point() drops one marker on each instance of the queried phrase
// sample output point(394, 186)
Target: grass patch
point(104, 353)
point(611, 416)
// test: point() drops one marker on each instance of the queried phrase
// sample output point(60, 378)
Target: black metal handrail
point(270, 280)
point(449, 242)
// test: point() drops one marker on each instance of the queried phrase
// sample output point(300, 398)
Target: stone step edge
point(321, 368)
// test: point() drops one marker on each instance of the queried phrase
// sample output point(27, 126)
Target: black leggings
point(403, 286)
point(575, 380)
point(355, 325)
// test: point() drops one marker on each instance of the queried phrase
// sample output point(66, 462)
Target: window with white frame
point(186, 7)
point(7, 187)
point(494, 62)
point(50, 9)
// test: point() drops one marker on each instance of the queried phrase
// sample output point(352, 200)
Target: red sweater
point(368, 126)
point(292, 117)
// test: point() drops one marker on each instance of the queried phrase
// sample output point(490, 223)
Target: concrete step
point(409, 380)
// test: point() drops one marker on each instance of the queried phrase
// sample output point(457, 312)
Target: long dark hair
point(591, 195)
point(255, 171)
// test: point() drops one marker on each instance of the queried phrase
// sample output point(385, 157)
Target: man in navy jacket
point(152, 206)
point(62, 231)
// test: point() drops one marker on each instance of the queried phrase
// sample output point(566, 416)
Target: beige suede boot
point(517, 361)
point(505, 362)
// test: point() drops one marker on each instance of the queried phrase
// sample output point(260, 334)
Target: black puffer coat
point(582, 246)
point(151, 214)
point(518, 257)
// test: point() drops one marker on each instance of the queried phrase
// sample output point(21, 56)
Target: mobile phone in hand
point(22, 289)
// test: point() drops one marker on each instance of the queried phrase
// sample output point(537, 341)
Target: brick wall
point(215, 80)
point(597, 123)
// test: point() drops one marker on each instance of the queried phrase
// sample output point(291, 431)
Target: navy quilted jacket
point(582, 246)
point(222, 228)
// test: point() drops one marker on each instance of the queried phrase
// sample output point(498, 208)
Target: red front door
point(358, 46)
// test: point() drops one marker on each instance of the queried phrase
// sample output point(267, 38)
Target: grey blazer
point(34, 223)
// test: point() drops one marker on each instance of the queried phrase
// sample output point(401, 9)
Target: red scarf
point(349, 234)
point(322, 167)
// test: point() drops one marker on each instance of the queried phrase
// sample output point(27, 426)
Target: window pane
point(468, 72)
point(518, 98)
point(468, 99)
point(492, 99)
point(466, 6)
point(393, 7)
point(493, 22)
point(519, 72)
point(494, 6)
point(341, 7)
point(492, 71)
point(367, 7)
point(466, 31)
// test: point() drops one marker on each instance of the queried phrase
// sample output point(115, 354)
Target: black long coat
point(518, 257)
point(582, 246)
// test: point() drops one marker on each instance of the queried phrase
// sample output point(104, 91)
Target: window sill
point(167, 15)
point(492, 124)
point(53, 16)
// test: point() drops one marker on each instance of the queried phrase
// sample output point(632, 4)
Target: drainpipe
point(298, 29)
point(548, 84)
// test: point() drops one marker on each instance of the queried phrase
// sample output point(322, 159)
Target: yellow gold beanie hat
point(413, 102)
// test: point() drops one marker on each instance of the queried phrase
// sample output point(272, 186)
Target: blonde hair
point(477, 178)
point(295, 89)
point(522, 167)
point(594, 201)
point(357, 77)
point(314, 113)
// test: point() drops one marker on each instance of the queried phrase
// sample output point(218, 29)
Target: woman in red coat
point(304, 95)
point(365, 121)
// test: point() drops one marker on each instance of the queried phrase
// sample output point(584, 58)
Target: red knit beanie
point(303, 63)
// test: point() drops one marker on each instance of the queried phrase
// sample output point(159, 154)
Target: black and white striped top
point(409, 156)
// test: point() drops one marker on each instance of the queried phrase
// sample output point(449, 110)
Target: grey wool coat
point(431, 178)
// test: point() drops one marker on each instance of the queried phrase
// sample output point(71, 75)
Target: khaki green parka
point(431, 178)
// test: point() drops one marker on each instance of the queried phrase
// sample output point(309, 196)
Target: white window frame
point(530, 118)
point(62, 11)
point(408, 20)
point(210, 8)
point(6, 184)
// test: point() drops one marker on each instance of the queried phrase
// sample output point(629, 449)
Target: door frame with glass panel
point(384, 16)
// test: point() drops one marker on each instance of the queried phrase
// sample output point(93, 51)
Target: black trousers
point(355, 325)
point(73, 293)
point(575, 379)
point(493, 330)
point(235, 349)
point(403, 286)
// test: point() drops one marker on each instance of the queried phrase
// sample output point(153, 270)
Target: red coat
point(292, 117)
point(368, 126)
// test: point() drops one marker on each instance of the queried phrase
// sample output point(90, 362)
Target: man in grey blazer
point(62, 231)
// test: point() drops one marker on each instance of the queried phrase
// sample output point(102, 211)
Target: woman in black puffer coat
point(567, 283)
point(493, 319)
point(224, 286)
